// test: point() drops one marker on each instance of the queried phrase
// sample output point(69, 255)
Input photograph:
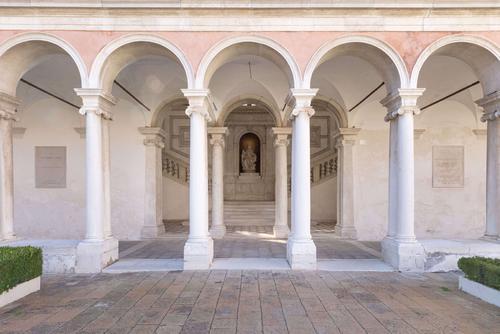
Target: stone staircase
point(249, 213)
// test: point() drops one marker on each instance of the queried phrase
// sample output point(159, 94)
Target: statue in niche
point(248, 160)
point(249, 154)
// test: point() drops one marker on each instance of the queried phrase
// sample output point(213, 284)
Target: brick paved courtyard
point(250, 302)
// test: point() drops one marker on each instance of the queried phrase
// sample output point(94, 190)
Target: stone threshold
point(165, 265)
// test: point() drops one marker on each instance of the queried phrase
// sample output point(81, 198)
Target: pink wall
point(302, 45)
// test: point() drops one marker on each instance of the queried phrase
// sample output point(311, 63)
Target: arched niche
point(249, 149)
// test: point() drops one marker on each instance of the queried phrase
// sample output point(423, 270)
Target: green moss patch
point(18, 265)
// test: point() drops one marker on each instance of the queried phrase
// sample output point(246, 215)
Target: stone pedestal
point(94, 255)
point(199, 248)
point(153, 199)
point(301, 251)
point(403, 255)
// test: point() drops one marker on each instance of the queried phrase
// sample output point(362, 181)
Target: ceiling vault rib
point(367, 96)
point(132, 95)
point(450, 95)
point(49, 93)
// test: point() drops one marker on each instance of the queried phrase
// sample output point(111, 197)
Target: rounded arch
point(157, 116)
point(399, 77)
point(335, 108)
point(16, 57)
point(97, 72)
point(220, 52)
point(237, 101)
point(492, 54)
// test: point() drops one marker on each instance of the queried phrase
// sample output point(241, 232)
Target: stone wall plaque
point(447, 166)
point(50, 167)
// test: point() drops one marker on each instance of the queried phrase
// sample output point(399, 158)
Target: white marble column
point(491, 107)
point(401, 248)
point(199, 248)
point(301, 250)
point(281, 141)
point(8, 105)
point(99, 248)
point(217, 140)
point(345, 183)
point(154, 143)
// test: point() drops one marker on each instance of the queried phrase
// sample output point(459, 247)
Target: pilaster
point(217, 140)
point(281, 229)
point(8, 105)
point(345, 183)
point(491, 107)
point(154, 142)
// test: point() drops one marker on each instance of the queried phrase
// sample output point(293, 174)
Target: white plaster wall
point(450, 212)
point(324, 201)
point(127, 169)
point(175, 200)
point(49, 213)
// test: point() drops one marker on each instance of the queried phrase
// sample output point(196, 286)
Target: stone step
point(249, 213)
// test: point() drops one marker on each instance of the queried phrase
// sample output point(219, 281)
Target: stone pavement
point(248, 247)
point(250, 302)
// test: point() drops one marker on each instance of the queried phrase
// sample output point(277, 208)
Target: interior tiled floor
point(250, 302)
point(245, 247)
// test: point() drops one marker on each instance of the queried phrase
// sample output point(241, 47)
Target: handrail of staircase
point(174, 168)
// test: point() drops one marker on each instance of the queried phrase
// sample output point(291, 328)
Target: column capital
point(154, 136)
point(303, 96)
point(281, 136)
point(199, 102)
point(97, 101)
point(404, 101)
point(491, 106)
point(8, 106)
point(217, 136)
point(347, 136)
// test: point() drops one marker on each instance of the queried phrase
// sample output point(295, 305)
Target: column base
point(149, 232)
point(490, 237)
point(94, 255)
point(403, 255)
point(198, 254)
point(301, 254)
point(281, 231)
point(346, 232)
point(218, 232)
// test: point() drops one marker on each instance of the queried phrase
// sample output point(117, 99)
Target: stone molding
point(402, 102)
point(417, 133)
point(491, 106)
point(217, 136)
point(198, 102)
point(18, 132)
point(347, 136)
point(8, 106)
point(96, 101)
point(82, 131)
point(154, 136)
point(470, 18)
point(281, 136)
